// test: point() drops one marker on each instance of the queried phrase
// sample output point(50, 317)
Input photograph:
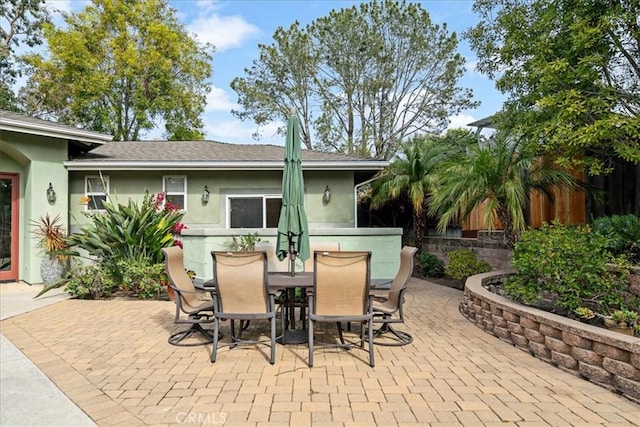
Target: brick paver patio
point(112, 359)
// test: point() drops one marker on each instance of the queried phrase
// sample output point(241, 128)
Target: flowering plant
point(160, 203)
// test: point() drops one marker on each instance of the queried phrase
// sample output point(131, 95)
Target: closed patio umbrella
point(293, 230)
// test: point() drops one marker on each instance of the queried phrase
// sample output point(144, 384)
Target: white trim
point(53, 130)
point(262, 196)
point(355, 198)
point(104, 179)
point(80, 165)
point(184, 190)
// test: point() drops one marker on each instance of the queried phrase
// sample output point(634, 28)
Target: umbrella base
point(294, 336)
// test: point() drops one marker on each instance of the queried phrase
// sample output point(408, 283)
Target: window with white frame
point(96, 189)
point(175, 190)
point(253, 211)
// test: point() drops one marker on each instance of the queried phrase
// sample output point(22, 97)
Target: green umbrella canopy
point(293, 230)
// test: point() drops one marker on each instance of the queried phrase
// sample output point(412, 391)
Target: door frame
point(11, 275)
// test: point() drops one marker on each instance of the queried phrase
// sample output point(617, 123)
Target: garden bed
point(604, 357)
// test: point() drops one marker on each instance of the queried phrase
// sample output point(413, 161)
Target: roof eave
point(80, 165)
point(54, 131)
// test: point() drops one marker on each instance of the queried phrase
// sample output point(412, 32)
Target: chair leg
point(310, 343)
point(399, 337)
point(177, 338)
point(273, 340)
point(371, 355)
point(214, 351)
point(340, 333)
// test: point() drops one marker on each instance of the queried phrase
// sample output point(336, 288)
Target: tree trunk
point(510, 233)
point(418, 229)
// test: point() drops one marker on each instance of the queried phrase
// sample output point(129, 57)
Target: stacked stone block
point(604, 357)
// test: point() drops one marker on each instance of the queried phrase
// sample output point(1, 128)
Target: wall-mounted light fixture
point(51, 194)
point(326, 196)
point(205, 196)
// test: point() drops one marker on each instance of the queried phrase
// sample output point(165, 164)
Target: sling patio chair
point(196, 304)
point(389, 309)
point(341, 294)
point(242, 293)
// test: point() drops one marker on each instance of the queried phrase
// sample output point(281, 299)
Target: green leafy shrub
point(90, 282)
point(622, 233)
point(129, 232)
point(245, 242)
point(568, 265)
point(464, 263)
point(141, 279)
point(430, 264)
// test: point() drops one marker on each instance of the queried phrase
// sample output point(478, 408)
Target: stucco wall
point(384, 243)
point(38, 161)
point(125, 185)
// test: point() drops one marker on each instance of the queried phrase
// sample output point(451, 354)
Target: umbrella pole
point(292, 257)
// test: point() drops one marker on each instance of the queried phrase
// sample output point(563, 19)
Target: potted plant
point(623, 321)
point(51, 237)
point(585, 313)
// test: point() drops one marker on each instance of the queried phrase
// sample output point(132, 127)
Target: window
point(96, 189)
point(175, 190)
point(253, 211)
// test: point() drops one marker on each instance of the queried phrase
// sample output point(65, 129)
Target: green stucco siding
point(38, 161)
point(125, 185)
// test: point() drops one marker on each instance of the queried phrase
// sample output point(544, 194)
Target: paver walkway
point(112, 359)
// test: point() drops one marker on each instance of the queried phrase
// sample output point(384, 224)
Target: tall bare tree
point(373, 75)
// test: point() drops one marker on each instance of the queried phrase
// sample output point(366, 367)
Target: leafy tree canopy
point(361, 79)
point(20, 23)
point(572, 71)
point(120, 67)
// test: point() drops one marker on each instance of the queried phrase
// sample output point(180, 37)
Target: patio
point(112, 359)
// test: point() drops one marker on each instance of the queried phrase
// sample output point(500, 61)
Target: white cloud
point(460, 121)
point(238, 132)
point(220, 100)
point(63, 5)
point(224, 32)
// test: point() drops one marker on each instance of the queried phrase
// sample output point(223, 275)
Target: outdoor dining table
point(288, 283)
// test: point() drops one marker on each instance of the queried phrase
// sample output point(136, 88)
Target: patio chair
point(274, 265)
point(242, 293)
point(319, 246)
point(341, 294)
point(196, 304)
point(388, 309)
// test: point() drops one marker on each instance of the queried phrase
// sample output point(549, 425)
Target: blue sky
point(236, 28)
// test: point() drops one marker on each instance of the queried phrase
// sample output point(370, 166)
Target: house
point(225, 190)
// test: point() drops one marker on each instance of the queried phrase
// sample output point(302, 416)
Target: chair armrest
point(208, 285)
point(201, 294)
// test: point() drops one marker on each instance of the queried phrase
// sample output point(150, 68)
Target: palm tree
point(412, 175)
point(500, 171)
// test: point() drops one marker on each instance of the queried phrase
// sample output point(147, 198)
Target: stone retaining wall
point(488, 246)
point(604, 357)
